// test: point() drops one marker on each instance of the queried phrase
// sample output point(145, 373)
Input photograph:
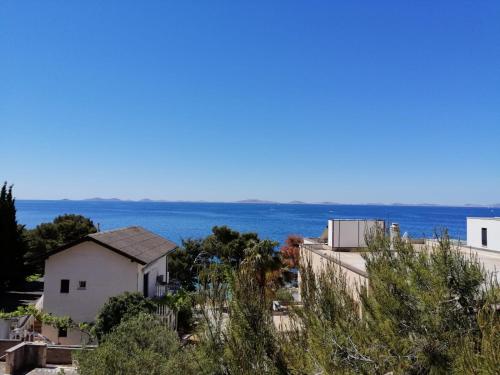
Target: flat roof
point(354, 260)
point(343, 219)
point(484, 218)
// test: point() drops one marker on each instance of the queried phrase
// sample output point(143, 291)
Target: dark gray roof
point(135, 242)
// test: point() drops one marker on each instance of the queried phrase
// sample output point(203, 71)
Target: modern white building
point(348, 234)
point(81, 276)
point(483, 233)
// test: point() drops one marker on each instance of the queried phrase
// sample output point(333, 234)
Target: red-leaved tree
point(290, 251)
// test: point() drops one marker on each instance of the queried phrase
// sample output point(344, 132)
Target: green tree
point(12, 244)
point(118, 309)
point(49, 236)
point(251, 345)
point(421, 303)
point(480, 354)
point(228, 245)
point(139, 345)
point(184, 263)
point(419, 311)
point(224, 246)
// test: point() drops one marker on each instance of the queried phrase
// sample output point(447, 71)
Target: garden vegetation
point(425, 311)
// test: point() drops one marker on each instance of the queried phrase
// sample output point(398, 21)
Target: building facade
point(484, 233)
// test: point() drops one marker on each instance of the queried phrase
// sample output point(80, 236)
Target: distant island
point(263, 201)
point(256, 201)
point(102, 199)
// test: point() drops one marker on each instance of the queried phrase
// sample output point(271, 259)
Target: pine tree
point(12, 246)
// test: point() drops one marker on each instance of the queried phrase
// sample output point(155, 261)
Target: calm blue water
point(275, 221)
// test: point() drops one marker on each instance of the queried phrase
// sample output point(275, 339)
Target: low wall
point(7, 344)
point(60, 356)
point(25, 356)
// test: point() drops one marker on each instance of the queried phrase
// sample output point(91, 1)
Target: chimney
point(394, 234)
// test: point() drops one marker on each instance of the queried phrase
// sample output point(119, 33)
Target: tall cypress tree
point(12, 246)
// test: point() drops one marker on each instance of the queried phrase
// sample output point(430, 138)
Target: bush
point(284, 295)
point(139, 345)
point(120, 308)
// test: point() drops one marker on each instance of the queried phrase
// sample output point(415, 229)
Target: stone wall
point(7, 344)
point(60, 355)
point(25, 356)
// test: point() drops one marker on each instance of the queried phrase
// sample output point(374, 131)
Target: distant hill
point(297, 202)
point(103, 199)
point(254, 201)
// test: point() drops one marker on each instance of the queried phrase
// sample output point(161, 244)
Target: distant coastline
point(261, 201)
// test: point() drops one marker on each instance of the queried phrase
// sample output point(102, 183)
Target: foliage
point(283, 295)
point(423, 311)
point(184, 265)
point(49, 236)
point(182, 303)
point(12, 244)
point(326, 331)
point(237, 334)
point(224, 246)
point(251, 342)
point(427, 300)
point(229, 246)
point(139, 345)
point(290, 251)
point(481, 354)
point(33, 278)
point(47, 318)
point(120, 308)
point(420, 308)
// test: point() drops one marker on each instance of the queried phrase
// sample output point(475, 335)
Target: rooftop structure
point(347, 234)
point(484, 233)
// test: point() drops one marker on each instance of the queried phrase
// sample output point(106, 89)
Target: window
point(64, 286)
point(62, 332)
point(82, 285)
point(145, 284)
point(484, 236)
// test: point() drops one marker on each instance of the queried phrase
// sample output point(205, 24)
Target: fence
point(167, 316)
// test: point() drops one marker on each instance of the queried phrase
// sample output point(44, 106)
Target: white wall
point(350, 233)
point(319, 263)
point(154, 269)
point(474, 226)
point(106, 274)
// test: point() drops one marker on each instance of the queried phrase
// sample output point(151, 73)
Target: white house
point(484, 233)
point(81, 276)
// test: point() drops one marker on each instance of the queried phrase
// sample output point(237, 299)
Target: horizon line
point(262, 201)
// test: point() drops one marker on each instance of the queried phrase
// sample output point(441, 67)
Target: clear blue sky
point(349, 101)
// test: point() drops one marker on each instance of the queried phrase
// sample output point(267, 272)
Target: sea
point(183, 220)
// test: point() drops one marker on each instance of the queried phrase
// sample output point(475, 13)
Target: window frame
point(80, 287)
